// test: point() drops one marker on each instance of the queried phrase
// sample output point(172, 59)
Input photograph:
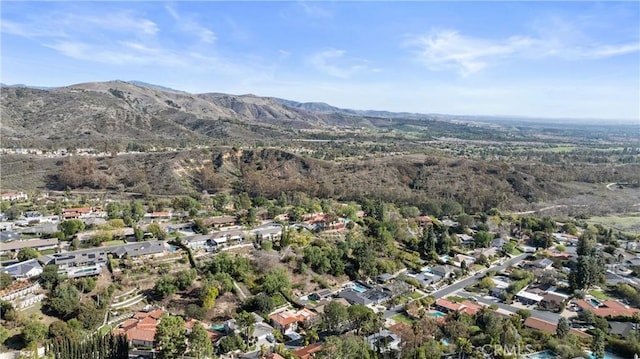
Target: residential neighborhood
point(274, 287)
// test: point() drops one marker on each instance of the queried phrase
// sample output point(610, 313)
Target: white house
point(24, 270)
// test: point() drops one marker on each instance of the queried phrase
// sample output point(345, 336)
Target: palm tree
point(464, 346)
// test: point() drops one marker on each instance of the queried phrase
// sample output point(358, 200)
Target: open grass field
point(626, 223)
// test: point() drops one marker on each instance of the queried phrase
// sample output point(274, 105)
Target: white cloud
point(189, 25)
point(450, 50)
point(334, 63)
point(118, 22)
point(125, 53)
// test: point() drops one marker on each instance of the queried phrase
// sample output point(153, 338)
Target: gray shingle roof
point(354, 297)
point(22, 268)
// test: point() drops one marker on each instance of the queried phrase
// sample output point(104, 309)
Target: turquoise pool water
point(359, 288)
point(218, 327)
point(547, 354)
point(437, 315)
point(594, 302)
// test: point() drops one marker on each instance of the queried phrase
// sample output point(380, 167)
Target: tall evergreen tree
point(199, 343)
point(170, 337)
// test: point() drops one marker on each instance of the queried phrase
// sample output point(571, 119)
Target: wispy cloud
point(314, 10)
point(451, 50)
point(188, 24)
point(334, 63)
point(115, 37)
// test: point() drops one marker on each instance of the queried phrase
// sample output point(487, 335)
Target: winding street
point(455, 287)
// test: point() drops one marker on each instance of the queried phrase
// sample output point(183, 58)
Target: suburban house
point(39, 244)
point(447, 306)
point(551, 328)
point(308, 352)
point(87, 261)
point(368, 297)
point(268, 233)
point(220, 221)
point(320, 295)
point(198, 241)
point(79, 258)
point(355, 297)
point(487, 252)
point(553, 299)
point(384, 278)
point(443, 271)
point(622, 329)
point(23, 270)
point(141, 328)
point(528, 298)
point(155, 216)
point(149, 249)
point(500, 286)
point(465, 239)
point(498, 242)
point(218, 238)
point(82, 212)
point(14, 196)
point(459, 258)
point(384, 341)
point(544, 263)
point(608, 308)
point(425, 278)
point(287, 320)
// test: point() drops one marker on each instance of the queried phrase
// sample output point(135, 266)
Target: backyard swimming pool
point(359, 288)
point(547, 354)
point(437, 314)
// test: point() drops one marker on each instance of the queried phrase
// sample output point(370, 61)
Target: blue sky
point(536, 59)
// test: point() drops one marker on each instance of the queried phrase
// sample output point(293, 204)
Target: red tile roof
point(445, 303)
point(129, 323)
point(470, 307)
point(156, 314)
point(541, 325)
point(609, 308)
point(550, 328)
point(77, 210)
point(141, 335)
point(284, 318)
point(308, 351)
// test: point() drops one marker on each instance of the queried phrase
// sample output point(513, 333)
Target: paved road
point(470, 280)
point(459, 285)
point(548, 316)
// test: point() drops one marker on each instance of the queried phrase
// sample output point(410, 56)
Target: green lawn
point(456, 299)
point(401, 318)
point(598, 294)
point(516, 251)
point(415, 295)
point(113, 243)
